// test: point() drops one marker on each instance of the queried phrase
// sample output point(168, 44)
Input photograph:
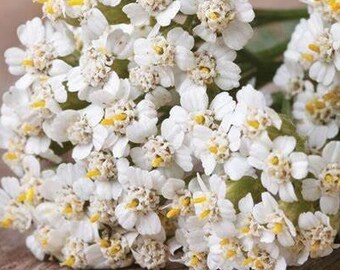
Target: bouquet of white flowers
point(137, 136)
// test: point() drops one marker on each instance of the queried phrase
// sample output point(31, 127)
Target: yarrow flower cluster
point(135, 141)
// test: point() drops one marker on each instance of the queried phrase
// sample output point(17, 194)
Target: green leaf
point(115, 15)
point(287, 129)
point(73, 102)
point(236, 190)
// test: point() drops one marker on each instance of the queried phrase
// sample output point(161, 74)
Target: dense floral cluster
point(164, 164)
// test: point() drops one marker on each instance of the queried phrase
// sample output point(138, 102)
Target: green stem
point(264, 16)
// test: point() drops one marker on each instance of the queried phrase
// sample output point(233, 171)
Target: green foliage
point(236, 190)
point(288, 128)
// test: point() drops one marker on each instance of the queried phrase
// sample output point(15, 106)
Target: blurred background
point(15, 12)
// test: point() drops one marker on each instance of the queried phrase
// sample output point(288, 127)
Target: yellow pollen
point(94, 218)
point(156, 162)
point(104, 243)
point(224, 242)
point(40, 1)
point(50, 9)
point(27, 128)
point(108, 122)
point(44, 242)
point(259, 265)
point(335, 5)
point(200, 119)
point(307, 56)
point(93, 173)
point(21, 198)
point(314, 48)
point(245, 230)
point(213, 149)
point(173, 212)
point(30, 194)
point(159, 50)
point(10, 156)
point(274, 161)
point(205, 70)
point(194, 260)
point(120, 117)
point(38, 104)
point(114, 250)
point(103, 50)
point(185, 201)
point(70, 261)
point(204, 214)
point(278, 227)
point(253, 123)
point(214, 16)
point(133, 204)
point(27, 63)
point(329, 178)
point(68, 210)
point(75, 2)
point(200, 199)
point(247, 261)
point(6, 223)
point(230, 254)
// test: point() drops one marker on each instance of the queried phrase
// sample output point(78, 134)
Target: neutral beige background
point(16, 12)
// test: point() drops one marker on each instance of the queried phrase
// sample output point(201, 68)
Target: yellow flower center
point(93, 173)
point(94, 218)
point(38, 104)
point(200, 119)
point(204, 214)
point(156, 162)
point(75, 2)
point(133, 204)
point(277, 229)
point(173, 212)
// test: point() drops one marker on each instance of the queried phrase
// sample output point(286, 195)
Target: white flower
point(226, 252)
point(43, 47)
point(318, 234)
point(329, 10)
point(163, 11)
point(215, 148)
point(68, 190)
point(325, 186)
point(167, 152)
point(265, 256)
point(251, 113)
point(150, 253)
point(47, 240)
point(13, 213)
point(181, 198)
point(278, 225)
point(229, 18)
point(323, 50)
point(279, 164)
point(290, 77)
point(94, 72)
point(210, 202)
point(112, 251)
point(81, 128)
point(317, 116)
point(211, 63)
point(126, 121)
point(191, 238)
point(138, 205)
point(196, 111)
point(153, 81)
point(174, 48)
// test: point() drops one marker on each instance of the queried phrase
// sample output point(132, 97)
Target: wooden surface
point(15, 256)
